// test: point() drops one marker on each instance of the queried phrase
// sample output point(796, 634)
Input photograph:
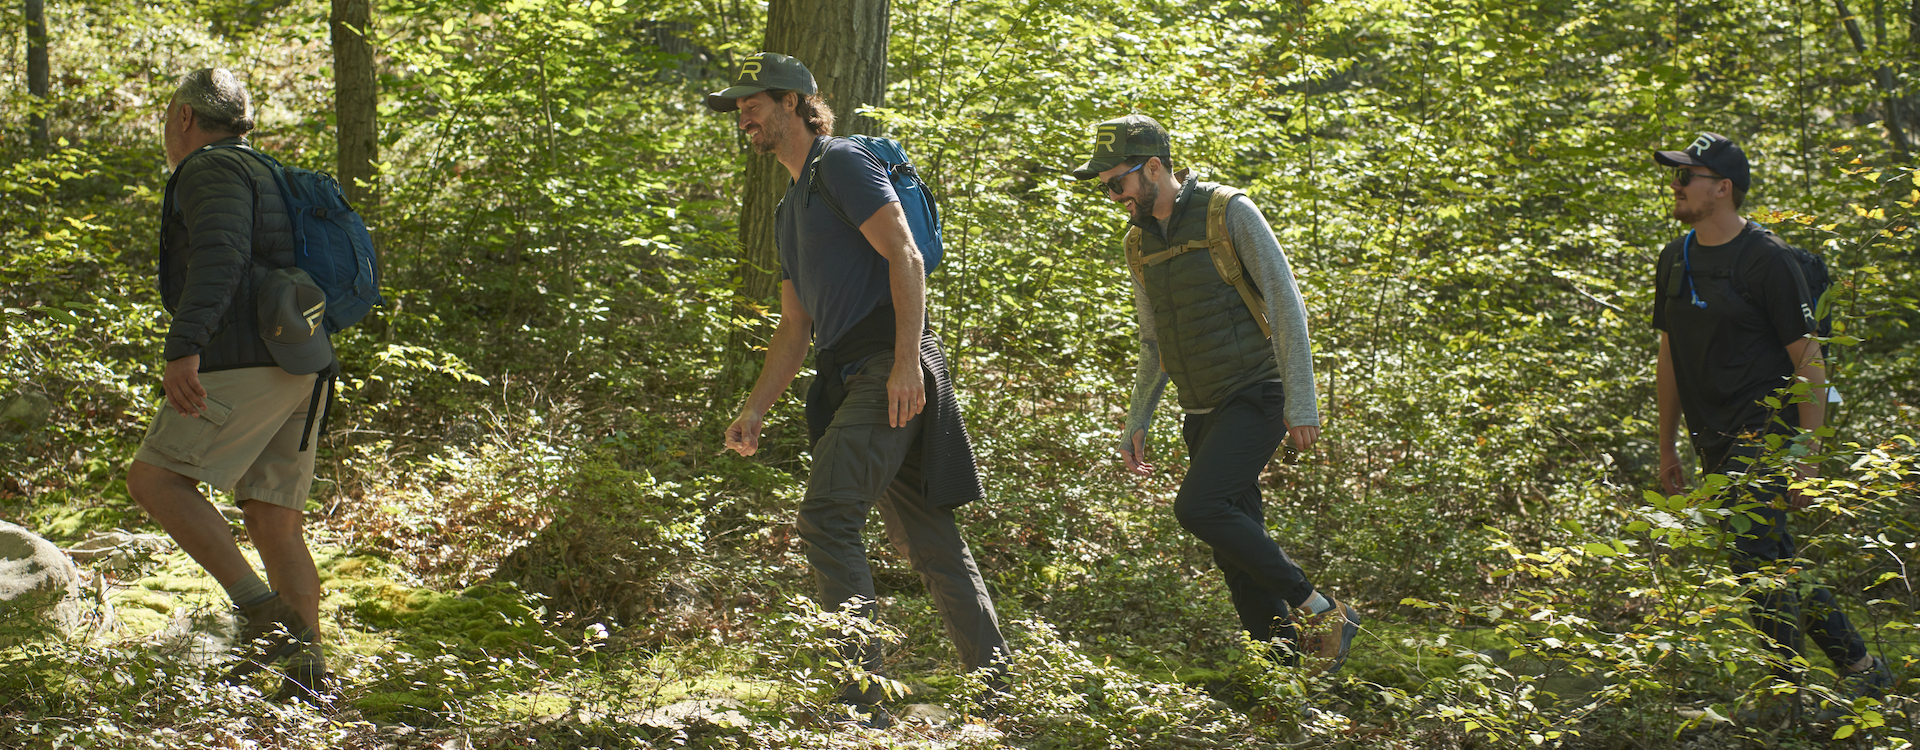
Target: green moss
point(419, 708)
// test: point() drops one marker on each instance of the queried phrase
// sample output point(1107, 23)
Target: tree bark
point(354, 100)
point(1884, 76)
point(844, 44)
point(39, 72)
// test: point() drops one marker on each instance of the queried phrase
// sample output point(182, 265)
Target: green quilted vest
point(1211, 344)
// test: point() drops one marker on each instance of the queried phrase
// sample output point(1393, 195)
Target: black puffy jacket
point(226, 225)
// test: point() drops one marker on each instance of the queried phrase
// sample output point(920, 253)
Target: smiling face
point(1139, 192)
point(1701, 196)
point(765, 121)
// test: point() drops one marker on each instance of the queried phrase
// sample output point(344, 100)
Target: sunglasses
point(1114, 187)
point(1684, 176)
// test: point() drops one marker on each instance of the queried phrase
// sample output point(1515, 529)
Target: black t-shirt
point(836, 272)
point(1731, 353)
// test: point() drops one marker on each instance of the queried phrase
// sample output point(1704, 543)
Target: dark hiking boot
point(1770, 712)
point(1872, 682)
point(1326, 638)
point(869, 715)
point(269, 631)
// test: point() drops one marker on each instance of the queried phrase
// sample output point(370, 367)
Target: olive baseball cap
point(1116, 140)
point(291, 307)
point(763, 72)
point(1715, 152)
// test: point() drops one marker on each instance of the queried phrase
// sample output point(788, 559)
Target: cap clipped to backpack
point(291, 307)
point(766, 71)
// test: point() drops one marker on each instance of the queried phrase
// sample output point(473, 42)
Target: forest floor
point(485, 667)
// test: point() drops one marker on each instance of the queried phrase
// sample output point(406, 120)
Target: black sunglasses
point(1685, 176)
point(1114, 187)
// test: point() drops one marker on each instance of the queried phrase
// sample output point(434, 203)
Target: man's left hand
point(906, 391)
point(1303, 436)
point(182, 383)
point(1802, 472)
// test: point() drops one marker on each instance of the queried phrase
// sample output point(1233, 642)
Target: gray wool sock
point(249, 590)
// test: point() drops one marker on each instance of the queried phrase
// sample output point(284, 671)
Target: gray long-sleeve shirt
point(1267, 265)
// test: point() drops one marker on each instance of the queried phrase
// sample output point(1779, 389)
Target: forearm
point(1667, 397)
point(1813, 410)
point(907, 279)
point(1149, 381)
point(785, 354)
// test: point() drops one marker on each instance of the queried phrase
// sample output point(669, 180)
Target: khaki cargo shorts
point(246, 442)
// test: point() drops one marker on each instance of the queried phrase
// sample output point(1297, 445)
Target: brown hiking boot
point(1326, 638)
point(269, 631)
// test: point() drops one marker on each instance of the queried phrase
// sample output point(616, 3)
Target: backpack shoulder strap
point(1134, 261)
point(817, 185)
point(1226, 259)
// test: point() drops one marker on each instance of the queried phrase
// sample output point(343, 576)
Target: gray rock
point(39, 586)
point(927, 713)
point(24, 414)
point(119, 550)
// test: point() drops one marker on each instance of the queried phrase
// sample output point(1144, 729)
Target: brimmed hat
point(1715, 152)
point(1114, 141)
point(291, 307)
point(763, 72)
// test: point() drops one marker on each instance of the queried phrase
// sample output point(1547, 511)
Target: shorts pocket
point(186, 439)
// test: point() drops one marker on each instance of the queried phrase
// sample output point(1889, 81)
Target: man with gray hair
point(239, 381)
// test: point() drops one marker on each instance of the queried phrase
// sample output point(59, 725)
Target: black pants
point(1761, 538)
point(1219, 502)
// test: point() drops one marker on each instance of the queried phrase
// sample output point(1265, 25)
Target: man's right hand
point(1673, 476)
point(1137, 457)
point(182, 383)
point(743, 436)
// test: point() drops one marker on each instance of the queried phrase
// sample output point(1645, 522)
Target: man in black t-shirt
point(1735, 322)
point(886, 427)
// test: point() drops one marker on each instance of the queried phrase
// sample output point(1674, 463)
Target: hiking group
point(1220, 317)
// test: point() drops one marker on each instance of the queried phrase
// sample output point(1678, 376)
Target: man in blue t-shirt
point(859, 293)
point(1736, 325)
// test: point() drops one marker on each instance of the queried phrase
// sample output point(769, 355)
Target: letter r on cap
point(1700, 144)
point(1108, 135)
point(313, 315)
point(750, 69)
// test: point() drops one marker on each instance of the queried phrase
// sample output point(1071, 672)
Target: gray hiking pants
point(861, 462)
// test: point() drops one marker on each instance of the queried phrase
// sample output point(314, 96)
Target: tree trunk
point(844, 43)
point(357, 131)
point(1891, 114)
point(38, 71)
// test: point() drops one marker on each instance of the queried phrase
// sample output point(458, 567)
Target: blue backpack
point(916, 200)
point(330, 240)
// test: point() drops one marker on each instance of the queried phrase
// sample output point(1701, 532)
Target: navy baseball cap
point(766, 71)
point(1715, 152)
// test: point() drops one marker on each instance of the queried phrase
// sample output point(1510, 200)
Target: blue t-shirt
point(839, 276)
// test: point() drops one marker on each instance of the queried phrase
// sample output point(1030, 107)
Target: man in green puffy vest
point(1221, 317)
